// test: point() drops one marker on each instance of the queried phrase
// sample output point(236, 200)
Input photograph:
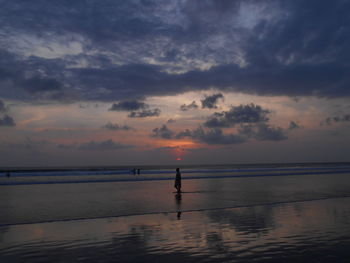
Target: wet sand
point(303, 218)
point(310, 231)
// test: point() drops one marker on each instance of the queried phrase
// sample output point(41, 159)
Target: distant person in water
point(178, 180)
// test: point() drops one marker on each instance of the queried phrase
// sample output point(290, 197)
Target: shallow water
point(69, 176)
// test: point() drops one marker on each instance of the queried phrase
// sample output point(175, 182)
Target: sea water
point(238, 214)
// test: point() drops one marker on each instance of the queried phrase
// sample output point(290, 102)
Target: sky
point(152, 82)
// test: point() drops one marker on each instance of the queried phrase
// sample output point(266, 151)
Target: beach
point(260, 215)
point(174, 131)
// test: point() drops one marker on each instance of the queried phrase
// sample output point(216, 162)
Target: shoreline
point(166, 166)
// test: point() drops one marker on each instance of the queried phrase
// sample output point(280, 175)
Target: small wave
point(36, 173)
point(157, 178)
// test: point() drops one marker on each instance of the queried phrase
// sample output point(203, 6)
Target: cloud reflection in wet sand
point(302, 231)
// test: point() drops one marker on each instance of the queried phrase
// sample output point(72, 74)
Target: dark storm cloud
point(128, 105)
point(211, 101)
point(293, 48)
point(249, 113)
point(263, 132)
point(145, 113)
point(31, 78)
point(44, 88)
point(128, 81)
point(297, 80)
point(117, 127)
point(41, 85)
point(192, 106)
point(7, 121)
point(163, 132)
point(117, 20)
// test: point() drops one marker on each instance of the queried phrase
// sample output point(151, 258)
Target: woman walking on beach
point(178, 180)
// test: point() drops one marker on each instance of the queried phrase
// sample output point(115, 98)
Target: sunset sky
point(148, 82)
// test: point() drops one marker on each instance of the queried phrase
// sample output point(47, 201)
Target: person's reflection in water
point(178, 199)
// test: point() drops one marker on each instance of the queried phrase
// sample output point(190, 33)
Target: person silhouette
point(177, 184)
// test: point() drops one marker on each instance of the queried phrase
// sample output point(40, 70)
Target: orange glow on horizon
point(178, 144)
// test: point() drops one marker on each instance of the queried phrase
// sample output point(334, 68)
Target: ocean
point(225, 213)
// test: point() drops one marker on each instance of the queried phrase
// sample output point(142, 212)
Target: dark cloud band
point(291, 48)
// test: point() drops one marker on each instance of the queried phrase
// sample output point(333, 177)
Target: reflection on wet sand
point(178, 199)
point(45, 203)
point(304, 232)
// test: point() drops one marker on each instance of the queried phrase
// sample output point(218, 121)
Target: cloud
point(163, 132)
point(2, 107)
point(7, 121)
point(145, 113)
point(296, 48)
point(342, 118)
point(249, 113)
point(107, 145)
point(212, 136)
point(263, 132)
point(138, 109)
point(128, 105)
point(345, 117)
point(252, 120)
point(39, 84)
point(183, 134)
point(191, 106)
point(102, 146)
point(171, 148)
point(293, 125)
point(211, 101)
point(117, 127)
point(27, 144)
point(44, 88)
point(171, 121)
